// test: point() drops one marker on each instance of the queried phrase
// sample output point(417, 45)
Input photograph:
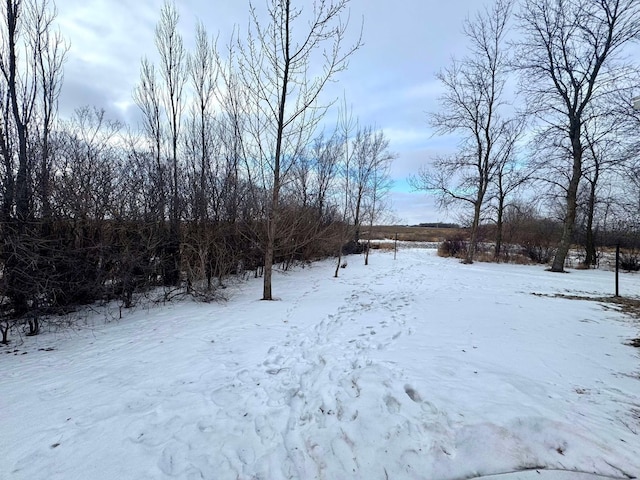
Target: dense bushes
point(630, 261)
point(535, 242)
point(455, 246)
point(51, 268)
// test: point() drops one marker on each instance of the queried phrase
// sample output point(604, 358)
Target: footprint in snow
point(150, 432)
point(264, 429)
point(246, 455)
point(206, 425)
point(412, 394)
point(174, 458)
point(393, 405)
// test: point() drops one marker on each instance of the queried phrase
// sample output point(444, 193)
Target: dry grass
point(382, 246)
point(489, 257)
point(629, 306)
point(413, 234)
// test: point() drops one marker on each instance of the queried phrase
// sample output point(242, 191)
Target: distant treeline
point(437, 225)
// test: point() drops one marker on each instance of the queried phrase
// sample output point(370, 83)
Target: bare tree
point(603, 147)
point(31, 58)
point(86, 167)
point(474, 106)
point(51, 50)
point(200, 140)
point(160, 96)
point(380, 184)
point(346, 125)
point(510, 176)
point(315, 172)
point(147, 97)
point(21, 86)
point(232, 125)
point(75, 252)
point(326, 154)
point(368, 175)
point(173, 72)
point(202, 147)
point(568, 59)
point(610, 138)
point(279, 71)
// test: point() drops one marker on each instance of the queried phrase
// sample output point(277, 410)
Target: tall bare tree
point(511, 175)
point(327, 153)
point(161, 98)
point(346, 126)
point(200, 138)
point(147, 97)
point(31, 59)
point(173, 71)
point(473, 105)
point(20, 88)
point(368, 175)
point(232, 125)
point(202, 146)
point(51, 51)
point(379, 183)
point(568, 59)
point(285, 65)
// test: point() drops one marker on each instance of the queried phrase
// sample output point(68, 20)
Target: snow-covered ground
point(418, 368)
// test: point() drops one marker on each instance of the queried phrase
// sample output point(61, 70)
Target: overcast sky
point(390, 82)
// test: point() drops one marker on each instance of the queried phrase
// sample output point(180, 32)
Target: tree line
point(231, 170)
point(542, 104)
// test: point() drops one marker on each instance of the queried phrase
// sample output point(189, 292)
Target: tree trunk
point(4, 329)
point(471, 248)
point(268, 262)
point(590, 241)
point(366, 254)
point(8, 193)
point(172, 274)
point(572, 205)
point(335, 275)
point(22, 179)
point(499, 229)
point(356, 220)
point(17, 266)
point(275, 194)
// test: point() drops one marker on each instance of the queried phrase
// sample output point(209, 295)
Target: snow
point(415, 368)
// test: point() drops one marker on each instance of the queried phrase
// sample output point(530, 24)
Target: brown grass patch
point(382, 245)
point(519, 260)
point(413, 234)
point(484, 257)
point(629, 306)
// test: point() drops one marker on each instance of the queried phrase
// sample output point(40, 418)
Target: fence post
point(395, 247)
point(617, 270)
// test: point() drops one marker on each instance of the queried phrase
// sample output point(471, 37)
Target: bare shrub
point(455, 246)
point(630, 261)
point(538, 253)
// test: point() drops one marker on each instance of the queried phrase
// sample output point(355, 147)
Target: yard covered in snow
point(419, 367)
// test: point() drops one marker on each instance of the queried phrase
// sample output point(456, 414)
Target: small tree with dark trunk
point(285, 92)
